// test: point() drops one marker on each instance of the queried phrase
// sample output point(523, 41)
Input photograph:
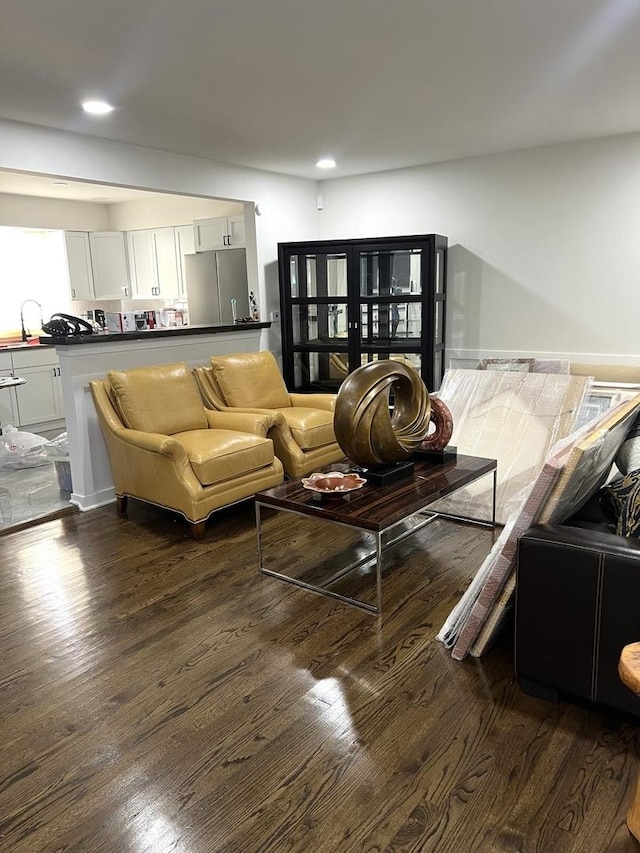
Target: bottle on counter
point(253, 306)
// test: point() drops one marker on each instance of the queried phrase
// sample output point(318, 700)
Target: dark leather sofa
point(577, 605)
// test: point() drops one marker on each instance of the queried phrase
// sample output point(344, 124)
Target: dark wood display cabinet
point(344, 303)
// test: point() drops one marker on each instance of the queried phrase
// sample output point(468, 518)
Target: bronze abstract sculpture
point(365, 430)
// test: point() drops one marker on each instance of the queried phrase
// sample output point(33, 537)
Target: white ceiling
point(20, 183)
point(275, 84)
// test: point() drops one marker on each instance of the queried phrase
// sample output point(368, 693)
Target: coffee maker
point(97, 319)
point(145, 320)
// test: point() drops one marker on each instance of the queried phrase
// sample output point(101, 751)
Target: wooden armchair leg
point(197, 530)
point(121, 503)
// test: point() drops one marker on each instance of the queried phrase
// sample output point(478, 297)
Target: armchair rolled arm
point(152, 441)
point(256, 423)
point(314, 401)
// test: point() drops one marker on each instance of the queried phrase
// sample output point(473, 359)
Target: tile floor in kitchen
point(29, 495)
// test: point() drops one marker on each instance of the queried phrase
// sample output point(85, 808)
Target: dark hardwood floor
point(158, 695)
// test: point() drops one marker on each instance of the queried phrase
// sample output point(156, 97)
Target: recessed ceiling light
point(326, 163)
point(97, 108)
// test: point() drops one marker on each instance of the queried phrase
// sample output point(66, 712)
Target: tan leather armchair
point(302, 432)
point(167, 449)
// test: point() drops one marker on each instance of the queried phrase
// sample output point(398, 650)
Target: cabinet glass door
point(316, 274)
point(390, 296)
point(319, 318)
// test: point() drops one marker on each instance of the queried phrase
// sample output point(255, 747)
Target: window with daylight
point(33, 265)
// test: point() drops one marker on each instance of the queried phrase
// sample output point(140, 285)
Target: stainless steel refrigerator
point(214, 281)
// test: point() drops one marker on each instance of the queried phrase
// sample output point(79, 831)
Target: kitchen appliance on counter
point(172, 317)
point(130, 321)
point(98, 319)
point(145, 320)
point(216, 284)
point(120, 321)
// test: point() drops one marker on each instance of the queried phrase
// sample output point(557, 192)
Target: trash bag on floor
point(58, 447)
point(21, 449)
point(58, 451)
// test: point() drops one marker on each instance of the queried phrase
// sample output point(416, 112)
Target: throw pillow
point(623, 497)
point(628, 457)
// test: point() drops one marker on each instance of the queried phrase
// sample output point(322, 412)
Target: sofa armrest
point(314, 401)
point(586, 538)
point(257, 423)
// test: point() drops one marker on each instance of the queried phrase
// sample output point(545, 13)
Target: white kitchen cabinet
point(109, 262)
point(79, 265)
point(141, 263)
point(224, 232)
point(167, 274)
point(39, 401)
point(237, 236)
point(185, 245)
point(8, 409)
point(153, 263)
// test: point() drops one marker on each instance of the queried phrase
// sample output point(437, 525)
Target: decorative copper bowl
point(334, 483)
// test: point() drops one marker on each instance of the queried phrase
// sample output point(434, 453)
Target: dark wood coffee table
point(378, 510)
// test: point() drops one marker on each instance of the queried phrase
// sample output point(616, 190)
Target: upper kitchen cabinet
point(79, 265)
point(223, 232)
point(109, 263)
point(154, 263)
point(167, 267)
point(185, 245)
point(141, 263)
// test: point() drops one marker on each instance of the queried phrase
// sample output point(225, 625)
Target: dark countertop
point(145, 335)
point(18, 346)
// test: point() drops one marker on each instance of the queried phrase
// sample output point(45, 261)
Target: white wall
point(288, 204)
point(544, 244)
point(544, 250)
point(23, 211)
point(162, 211)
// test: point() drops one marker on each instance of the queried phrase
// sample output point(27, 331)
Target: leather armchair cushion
point(143, 406)
point(310, 428)
point(217, 455)
point(250, 380)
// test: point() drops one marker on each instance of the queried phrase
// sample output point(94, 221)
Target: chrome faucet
point(25, 333)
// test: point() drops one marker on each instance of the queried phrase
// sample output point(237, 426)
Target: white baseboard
point(87, 502)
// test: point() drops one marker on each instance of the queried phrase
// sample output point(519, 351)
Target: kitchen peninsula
point(86, 357)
